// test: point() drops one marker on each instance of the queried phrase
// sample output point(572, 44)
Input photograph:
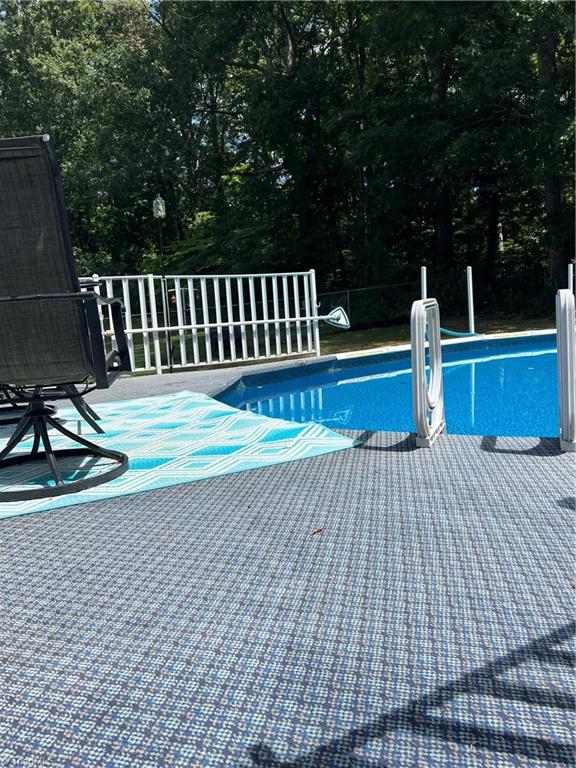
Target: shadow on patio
point(418, 716)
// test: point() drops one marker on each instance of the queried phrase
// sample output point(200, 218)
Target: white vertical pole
point(566, 345)
point(166, 321)
point(206, 319)
point(571, 276)
point(96, 279)
point(230, 316)
point(314, 302)
point(297, 312)
point(276, 315)
point(423, 283)
point(180, 316)
point(253, 316)
point(307, 310)
point(264, 292)
point(97, 290)
point(287, 314)
point(110, 295)
point(473, 393)
point(144, 321)
point(219, 331)
point(128, 319)
point(193, 321)
point(154, 319)
point(470, 287)
point(242, 318)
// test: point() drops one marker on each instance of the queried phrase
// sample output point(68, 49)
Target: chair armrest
point(106, 367)
point(122, 356)
point(46, 297)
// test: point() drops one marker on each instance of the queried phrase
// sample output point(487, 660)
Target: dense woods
point(362, 139)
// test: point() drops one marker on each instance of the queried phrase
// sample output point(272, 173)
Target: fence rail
point(177, 321)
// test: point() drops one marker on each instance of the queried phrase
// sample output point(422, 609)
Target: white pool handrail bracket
point(427, 396)
point(566, 341)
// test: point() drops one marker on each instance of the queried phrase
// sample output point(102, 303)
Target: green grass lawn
point(334, 342)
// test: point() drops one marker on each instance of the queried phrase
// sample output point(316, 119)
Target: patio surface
point(383, 606)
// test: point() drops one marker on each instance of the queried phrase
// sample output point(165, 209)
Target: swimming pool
point(491, 387)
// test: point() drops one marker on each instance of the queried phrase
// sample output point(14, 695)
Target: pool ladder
point(427, 393)
point(566, 341)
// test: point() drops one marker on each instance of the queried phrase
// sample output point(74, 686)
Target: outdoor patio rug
point(172, 439)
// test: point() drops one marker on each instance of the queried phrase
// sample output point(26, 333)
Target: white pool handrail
point(427, 396)
point(566, 342)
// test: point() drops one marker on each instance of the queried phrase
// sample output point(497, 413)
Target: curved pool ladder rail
point(427, 395)
point(566, 341)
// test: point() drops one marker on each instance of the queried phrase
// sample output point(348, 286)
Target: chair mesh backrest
point(40, 342)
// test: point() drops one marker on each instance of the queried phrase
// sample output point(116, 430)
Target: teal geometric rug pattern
point(170, 439)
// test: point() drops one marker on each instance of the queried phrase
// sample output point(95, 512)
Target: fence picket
point(297, 313)
point(206, 319)
point(128, 319)
point(264, 292)
point(181, 320)
point(216, 287)
point(287, 314)
point(253, 316)
point(230, 318)
point(276, 315)
point(154, 324)
point(193, 321)
point(144, 321)
point(242, 318)
point(308, 313)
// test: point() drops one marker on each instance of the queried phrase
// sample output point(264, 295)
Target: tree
point(359, 138)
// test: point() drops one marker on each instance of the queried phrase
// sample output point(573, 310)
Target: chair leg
point(36, 443)
point(19, 434)
point(79, 439)
point(91, 410)
point(50, 458)
point(88, 414)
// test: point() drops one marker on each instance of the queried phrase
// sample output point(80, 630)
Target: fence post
point(423, 283)
point(470, 289)
point(154, 323)
point(314, 302)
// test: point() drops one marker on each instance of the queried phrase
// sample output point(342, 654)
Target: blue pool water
point(490, 388)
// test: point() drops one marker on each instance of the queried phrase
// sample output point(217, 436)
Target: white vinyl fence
point(178, 321)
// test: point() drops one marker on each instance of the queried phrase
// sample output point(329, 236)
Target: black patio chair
point(51, 340)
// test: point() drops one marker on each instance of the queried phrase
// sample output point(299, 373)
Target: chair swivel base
point(72, 486)
point(37, 418)
point(11, 414)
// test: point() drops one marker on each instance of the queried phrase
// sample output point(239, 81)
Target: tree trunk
point(494, 244)
point(558, 245)
point(444, 226)
point(439, 75)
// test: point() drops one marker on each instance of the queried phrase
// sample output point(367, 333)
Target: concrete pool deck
point(382, 606)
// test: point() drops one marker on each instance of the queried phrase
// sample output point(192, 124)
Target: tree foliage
point(362, 139)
